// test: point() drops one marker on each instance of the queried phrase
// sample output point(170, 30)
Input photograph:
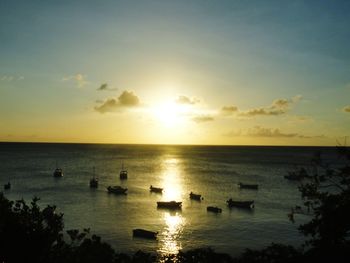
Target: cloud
point(105, 86)
point(10, 78)
point(78, 79)
point(202, 118)
point(346, 108)
point(259, 131)
point(126, 100)
point(229, 110)
point(278, 107)
point(186, 100)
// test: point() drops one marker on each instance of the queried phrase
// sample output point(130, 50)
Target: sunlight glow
point(171, 180)
point(174, 227)
point(170, 114)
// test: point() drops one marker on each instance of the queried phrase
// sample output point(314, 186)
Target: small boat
point(248, 186)
point(214, 209)
point(7, 186)
point(94, 181)
point(144, 233)
point(196, 196)
point(169, 205)
point(155, 189)
point(117, 190)
point(123, 173)
point(240, 204)
point(58, 173)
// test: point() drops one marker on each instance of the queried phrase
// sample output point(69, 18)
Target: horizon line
point(166, 144)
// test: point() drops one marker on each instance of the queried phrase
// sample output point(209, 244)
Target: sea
point(212, 171)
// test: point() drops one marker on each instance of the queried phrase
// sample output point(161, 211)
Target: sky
point(175, 72)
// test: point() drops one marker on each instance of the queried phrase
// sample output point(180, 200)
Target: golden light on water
point(174, 226)
point(171, 180)
point(174, 222)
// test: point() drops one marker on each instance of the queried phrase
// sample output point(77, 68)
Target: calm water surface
point(211, 171)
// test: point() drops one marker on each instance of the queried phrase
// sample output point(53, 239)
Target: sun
point(170, 114)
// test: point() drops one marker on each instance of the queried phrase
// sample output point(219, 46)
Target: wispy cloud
point(203, 118)
point(105, 87)
point(346, 108)
point(229, 110)
point(277, 107)
point(259, 131)
point(126, 100)
point(78, 79)
point(182, 99)
point(10, 78)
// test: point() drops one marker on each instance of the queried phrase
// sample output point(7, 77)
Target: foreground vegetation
point(28, 233)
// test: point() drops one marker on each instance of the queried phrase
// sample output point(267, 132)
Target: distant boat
point(214, 209)
point(169, 205)
point(155, 189)
point(123, 173)
point(197, 197)
point(240, 204)
point(144, 233)
point(248, 186)
point(58, 173)
point(7, 186)
point(117, 190)
point(94, 180)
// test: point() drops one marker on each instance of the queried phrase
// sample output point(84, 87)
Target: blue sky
point(56, 54)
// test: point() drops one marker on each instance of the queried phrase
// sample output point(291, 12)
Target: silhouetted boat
point(7, 186)
point(248, 186)
point(123, 173)
point(196, 196)
point(94, 181)
point(155, 189)
point(214, 209)
point(58, 173)
point(169, 205)
point(117, 190)
point(144, 233)
point(241, 204)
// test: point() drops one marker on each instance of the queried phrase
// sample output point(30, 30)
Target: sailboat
point(58, 172)
point(123, 173)
point(93, 180)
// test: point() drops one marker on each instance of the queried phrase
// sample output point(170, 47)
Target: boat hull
point(214, 209)
point(240, 204)
point(155, 189)
point(142, 233)
point(117, 190)
point(169, 205)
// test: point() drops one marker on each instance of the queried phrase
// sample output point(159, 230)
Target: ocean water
point(212, 171)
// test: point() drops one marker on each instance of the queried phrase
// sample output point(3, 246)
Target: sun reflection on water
point(174, 226)
point(171, 180)
point(174, 222)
